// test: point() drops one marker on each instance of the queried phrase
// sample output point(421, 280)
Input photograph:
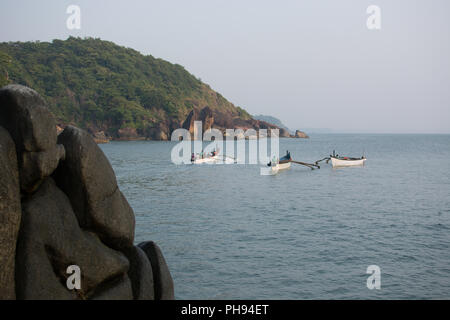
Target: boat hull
point(284, 166)
point(272, 170)
point(207, 160)
point(347, 163)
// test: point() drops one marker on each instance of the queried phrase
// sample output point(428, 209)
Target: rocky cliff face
point(222, 121)
point(300, 134)
point(60, 206)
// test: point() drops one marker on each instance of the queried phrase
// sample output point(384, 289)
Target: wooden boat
point(285, 162)
point(274, 167)
point(207, 160)
point(210, 158)
point(339, 161)
point(347, 161)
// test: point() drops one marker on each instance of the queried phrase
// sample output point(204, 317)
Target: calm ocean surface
point(229, 233)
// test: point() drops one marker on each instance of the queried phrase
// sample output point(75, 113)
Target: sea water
point(229, 233)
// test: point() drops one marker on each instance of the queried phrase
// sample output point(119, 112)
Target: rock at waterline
point(141, 274)
point(163, 280)
point(300, 134)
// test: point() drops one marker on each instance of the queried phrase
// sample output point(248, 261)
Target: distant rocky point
point(284, 130)
point(274, 121)
point(61, 206)
point(300, 134)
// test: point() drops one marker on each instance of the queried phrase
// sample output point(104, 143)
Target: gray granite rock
point(141, 274)
point(10, 214)
point(36, 166)
point(50, 240)
point(163, 282)
point(117, 289)
point(24, 114)
point(88, 179)
point(83, 219)
point(31, 125)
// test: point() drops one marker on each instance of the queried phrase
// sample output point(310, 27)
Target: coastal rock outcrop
point(163, 279)
point(60, 203)
point(205, 115)
point(141, 274)
point(207, 118)
point(188, 124)
point(158, 133)
point(284, 133)
point(100, 137)
point(300, 134)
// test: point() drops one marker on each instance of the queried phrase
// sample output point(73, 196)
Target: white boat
point(212, 157)
point(284, 166)
point(275, 166)
point(208, 160)
point(274, 169)
point(347, 162)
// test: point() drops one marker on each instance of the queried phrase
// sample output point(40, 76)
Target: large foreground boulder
point(118, 289)
point(24, 114)
point(51, 240)
point(88, 179)
point(60, 207)
point(10, 214)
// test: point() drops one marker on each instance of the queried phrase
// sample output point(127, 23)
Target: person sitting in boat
point(273, 162)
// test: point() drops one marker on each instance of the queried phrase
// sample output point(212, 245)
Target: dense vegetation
point(99, 85)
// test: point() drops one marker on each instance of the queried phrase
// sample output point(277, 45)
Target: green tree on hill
point(99, 85)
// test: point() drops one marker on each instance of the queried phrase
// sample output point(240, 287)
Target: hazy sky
point(311, 63)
